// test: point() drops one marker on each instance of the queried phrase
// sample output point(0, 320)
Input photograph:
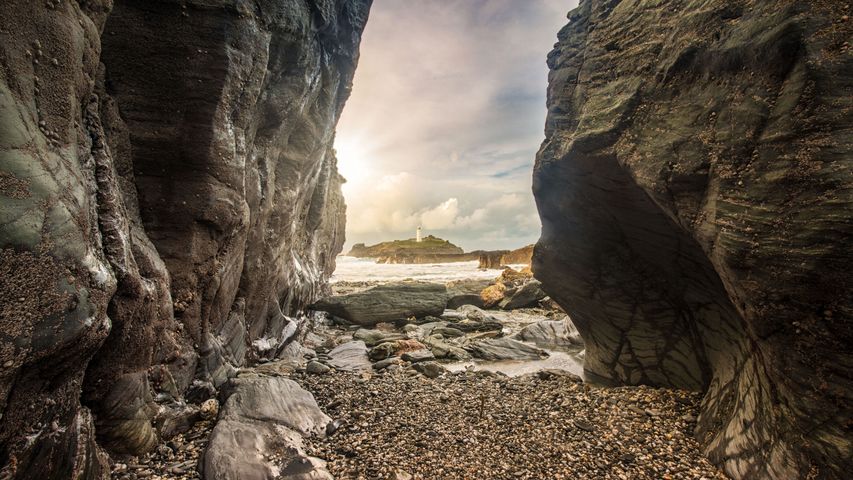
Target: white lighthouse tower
point(418, 235)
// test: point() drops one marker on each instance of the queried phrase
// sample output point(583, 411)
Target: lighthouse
point(418, 235)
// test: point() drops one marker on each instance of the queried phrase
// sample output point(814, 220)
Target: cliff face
point(695, 194)
point(169, 195)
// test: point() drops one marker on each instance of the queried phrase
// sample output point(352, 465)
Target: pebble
point(209, 409)
point(467, 425)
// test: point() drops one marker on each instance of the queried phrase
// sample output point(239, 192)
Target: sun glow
point(353, 160)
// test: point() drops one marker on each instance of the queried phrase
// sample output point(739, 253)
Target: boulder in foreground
point(260, 432)
point(388, 303)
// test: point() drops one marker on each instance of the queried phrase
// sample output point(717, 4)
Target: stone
point(504, 349)
point(375, 337)
point(387, 303)
point(209, 409)
point(429, 369)
point(418, 356)
point(528, 295)
point(382, 364)
point(560, 334)
point(261, 429)
point(350, 357)
point(448, 332)
point(688, 233)
point(316, 368)
point(465, 292)
point(382, 351)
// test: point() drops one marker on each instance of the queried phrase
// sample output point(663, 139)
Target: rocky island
point(429, 249)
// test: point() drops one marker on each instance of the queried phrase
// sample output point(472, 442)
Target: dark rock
point(694, 231)
point(528, 295)
point(429, 369)
point(382, 364)
point(466, 292)
point(504, 349)
point(448, 332)
point(552, 333)
point(418, 356)
point(317, 368)
point(382, 351)
point(387, 303)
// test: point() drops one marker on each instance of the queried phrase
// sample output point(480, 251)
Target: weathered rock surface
point(466, 292)
point(552, 333)
point(527, 295)
point(387, 303)
point(695, 194)
point(504, 349)
point(350, 357)
point(260, 432)
point(169, 195)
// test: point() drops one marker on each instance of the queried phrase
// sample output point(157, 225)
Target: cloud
point(446, 115)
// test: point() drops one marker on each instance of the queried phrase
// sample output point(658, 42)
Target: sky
point(446, 114)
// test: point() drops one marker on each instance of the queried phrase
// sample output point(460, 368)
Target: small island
point(431, 249)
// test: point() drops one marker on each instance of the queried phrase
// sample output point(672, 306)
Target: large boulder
point(552, 334)
point(260, 432)
point(387, 303)
point(695, 190)
point(527, 295)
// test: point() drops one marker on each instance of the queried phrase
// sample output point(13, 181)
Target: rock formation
point(501, 258)
point(169, 194)
point(695, 193)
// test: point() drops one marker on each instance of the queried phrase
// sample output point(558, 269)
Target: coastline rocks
point(466, 292)
point(317, 368)
point(493, 349)
point(527, 295)
point(387, 303)
point(552, 333)
point(260, 432)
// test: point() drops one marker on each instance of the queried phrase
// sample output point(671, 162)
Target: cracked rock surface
point(695, 194)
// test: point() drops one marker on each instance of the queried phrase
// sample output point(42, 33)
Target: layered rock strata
point(169, 195)
point(695, 194)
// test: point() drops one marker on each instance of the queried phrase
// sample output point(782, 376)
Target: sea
point(352, 269)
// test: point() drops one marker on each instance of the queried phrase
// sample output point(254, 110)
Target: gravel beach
point(480, 425)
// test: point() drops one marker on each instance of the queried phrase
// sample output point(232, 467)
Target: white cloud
point(446, 115)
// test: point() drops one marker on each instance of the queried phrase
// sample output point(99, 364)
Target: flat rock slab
point(388, 303)
point(350, 357)
point(260, 432)
point(504, 349)
point(552, 333)
point(418, 356)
